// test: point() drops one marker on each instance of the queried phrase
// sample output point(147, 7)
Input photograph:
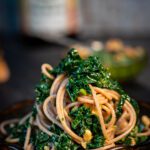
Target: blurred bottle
point(49, 18)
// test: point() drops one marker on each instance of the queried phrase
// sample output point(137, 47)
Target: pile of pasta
point(56, 107)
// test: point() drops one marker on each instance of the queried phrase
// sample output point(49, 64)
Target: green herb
point(34, 111)
point(83, 119)
point(97, 141)
point(40, 139)
point(123, 98)
point(90, 71)
point(61, 141)
point(69, 63)
point(127, 141)
point(55, 129)
point(120, 105)
point(64, 142)
point(42, 89)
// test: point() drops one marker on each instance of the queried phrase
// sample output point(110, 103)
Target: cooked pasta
point(56, 110)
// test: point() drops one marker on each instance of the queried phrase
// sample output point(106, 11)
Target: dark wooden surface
point(25, 57)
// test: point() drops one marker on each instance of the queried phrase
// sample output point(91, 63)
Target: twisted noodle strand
point(60, 112)
point(99, 109)
point(48, 114)
point(5, 123)
point(28, 134)
point(45, 68)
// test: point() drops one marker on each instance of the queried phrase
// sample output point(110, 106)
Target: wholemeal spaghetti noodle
point(56, 109)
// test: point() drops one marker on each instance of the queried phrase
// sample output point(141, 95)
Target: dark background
point(101, 20)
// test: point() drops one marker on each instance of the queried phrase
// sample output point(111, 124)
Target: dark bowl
point(21, 108)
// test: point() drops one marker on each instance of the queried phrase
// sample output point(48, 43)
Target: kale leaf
point(64, 142)
point(55, 129)
point(42, 89)
point(83, 119)
point(69, 63)
point(123, 98)
point(40, 139)
point(97, 141)
point(89, 71)
point(120, 105)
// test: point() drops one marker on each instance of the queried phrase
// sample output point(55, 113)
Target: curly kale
point(40, 139)
point(69, 64)
point(42, 89)
point(123, 98)
point(64, 142)
point(60, 140)
point(97, 141)
point(55, 129)
point(83, 119)
point(120, 104)
point(90, 71)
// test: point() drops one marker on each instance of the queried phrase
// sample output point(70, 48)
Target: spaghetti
point(56, 108)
